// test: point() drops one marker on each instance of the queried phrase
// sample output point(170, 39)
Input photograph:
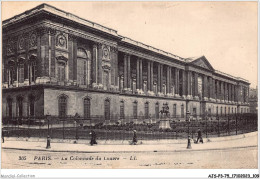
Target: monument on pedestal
point(165, 117)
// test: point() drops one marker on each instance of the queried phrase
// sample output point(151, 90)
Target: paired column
point(128, 72)
point(148, 75)
point(125, 71)
point(168, 80)
point(141, 74)
point(205, 87)
point(151, 78)
point(183, 82)
point(210, 88)
point(159, 78)
point(161, 74)
point(94, 69)
point(213, 89)
point(196, 84)
point(177, 72)
point(189, 83)
point(137, 74)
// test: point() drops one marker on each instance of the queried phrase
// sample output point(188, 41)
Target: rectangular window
point(20, 107)
point(107, 110)
point(87, 108)
point(194, 112)
point(174, 111)
point(135, 110)
point(31, 107)
point(182, 111)
point(122, 110)
point(209, 112)
point(146, 110)
point(157, 110)
point(61, 72)
point(10, 107)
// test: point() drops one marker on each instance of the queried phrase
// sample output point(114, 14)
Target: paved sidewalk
point(231, 142)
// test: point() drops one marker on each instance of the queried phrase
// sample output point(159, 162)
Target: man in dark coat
point(93, 138)
point(3, 139)
point(199, 139)
point(134, 138)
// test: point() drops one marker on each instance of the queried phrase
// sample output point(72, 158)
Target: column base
point(53, 80)
point(188, 97)
point(196, 98)
point(150, 93)
point(94, 85)
point(42, 80)
point(69, 83)
point(205, 99)
point(160, 94)
point(140, 91)
point(177, 96)
point(20, 84)
point(170, 95)
point(212, 99)
point(184, 96)
point(5, 85)
point(26, 82)
point(15, 84)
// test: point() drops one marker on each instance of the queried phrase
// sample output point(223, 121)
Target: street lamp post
point(48, 136)
point(206, 118)
point(188, 135)
point(76, 126)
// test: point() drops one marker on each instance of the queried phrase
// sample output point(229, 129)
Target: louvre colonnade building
point(59, 64)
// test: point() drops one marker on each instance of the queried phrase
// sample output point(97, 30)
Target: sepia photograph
point(129, 85)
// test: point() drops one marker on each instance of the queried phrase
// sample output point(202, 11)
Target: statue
point(165, 117)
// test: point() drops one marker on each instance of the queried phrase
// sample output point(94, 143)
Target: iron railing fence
point(75, 127)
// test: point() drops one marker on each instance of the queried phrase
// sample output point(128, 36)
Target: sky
point(224, 32)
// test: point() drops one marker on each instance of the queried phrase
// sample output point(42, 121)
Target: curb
point(76, 151)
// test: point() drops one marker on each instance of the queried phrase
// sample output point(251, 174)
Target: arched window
point(87, 108)
point(157, 109)
point(21, 71)
point(31, 105)
point(20, 106)
point(83, 67)
point(9, 107)
point(217, 110)
point(221, 112)
point(62, 106)
point(122, 110)
point(225, 111)
point(107, 109)
point(182, 110)
point(135, 104)
point(146, 110)
point(11, 72)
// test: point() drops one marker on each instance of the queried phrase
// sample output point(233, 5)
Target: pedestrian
point(134, 141)
point(199, 139)
point(3, 139)
point(93, 137)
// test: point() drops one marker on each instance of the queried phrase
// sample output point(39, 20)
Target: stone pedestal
point(165, 124)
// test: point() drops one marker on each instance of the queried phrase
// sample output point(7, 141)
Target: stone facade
point(76, 59)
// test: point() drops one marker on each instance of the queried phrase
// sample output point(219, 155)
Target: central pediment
point(201, 62)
